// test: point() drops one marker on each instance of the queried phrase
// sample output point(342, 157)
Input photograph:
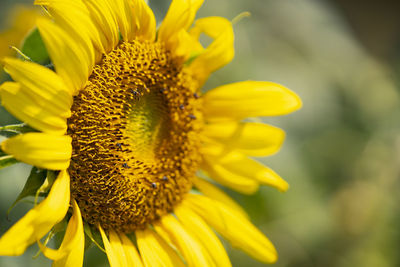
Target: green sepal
point(47, 184)
point(14, 129)
point(33, 183)
point(94, 236)
point(34, 48)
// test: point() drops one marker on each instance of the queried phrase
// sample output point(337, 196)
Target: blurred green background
point(342, 152)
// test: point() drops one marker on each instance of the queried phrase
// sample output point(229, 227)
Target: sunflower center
point(135, 137)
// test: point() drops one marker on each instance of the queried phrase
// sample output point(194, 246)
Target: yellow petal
point(113, 257)
point(42, 83)
point(239, 165)
point(34, 111)
point(106, 22)
point(220, 174)
point(131, 253)
point(191, 249)
point(145, 21)
point(198, 228)
point(45, 151)
point(70, 253)
point(214, 192)
point(73, 17)
point(253, 139)
point(249, 99)
point(220, 52)
point(125, 18)
point(156, 252)
point(236, 229)
point(180, 15)
point(74, 241)
point(182, 44)
point(73, 60)
point(116, 246)
point(39, 220)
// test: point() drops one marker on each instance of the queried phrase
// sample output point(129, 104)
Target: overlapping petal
point(104, 18)
point(240, 167)
point(144, 20)
point(38, 221)
point(156, 252)
point(42, 150)
point(73, 17)
point(32, 109)
point(121, 251)
point(125, 18)
point(180, 16)
point(240, 232)
point(70, 253)
point(132, 256)
point(76, 61)
point(228, 178)
point(199, 229)
point(114, 258)
point(211, 191)
point(192, 250)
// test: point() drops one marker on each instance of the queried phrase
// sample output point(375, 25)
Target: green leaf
point(45, 187)
point(6, 160)
point(34, 48)
point(14, 129)
point(32, 185)
point(94, 236)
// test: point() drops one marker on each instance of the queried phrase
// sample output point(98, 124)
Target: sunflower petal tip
point(298, 103)
point(284, 186)
point(273, 257)
point(269, 177)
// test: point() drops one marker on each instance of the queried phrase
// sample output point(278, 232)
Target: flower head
point(135, 146)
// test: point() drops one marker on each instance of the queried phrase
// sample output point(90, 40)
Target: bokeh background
point(342, 152)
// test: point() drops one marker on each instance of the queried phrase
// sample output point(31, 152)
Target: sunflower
point(131, 147)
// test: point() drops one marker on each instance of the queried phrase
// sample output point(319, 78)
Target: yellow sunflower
point(135, 146)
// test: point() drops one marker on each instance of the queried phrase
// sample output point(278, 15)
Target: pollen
point(135, 137)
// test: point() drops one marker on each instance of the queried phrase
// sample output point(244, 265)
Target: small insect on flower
point(123, 130)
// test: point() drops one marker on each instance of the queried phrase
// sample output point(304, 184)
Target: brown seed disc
point(135, 129)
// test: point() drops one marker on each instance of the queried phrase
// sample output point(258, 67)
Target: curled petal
point(220, 52)
point(70, 253)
